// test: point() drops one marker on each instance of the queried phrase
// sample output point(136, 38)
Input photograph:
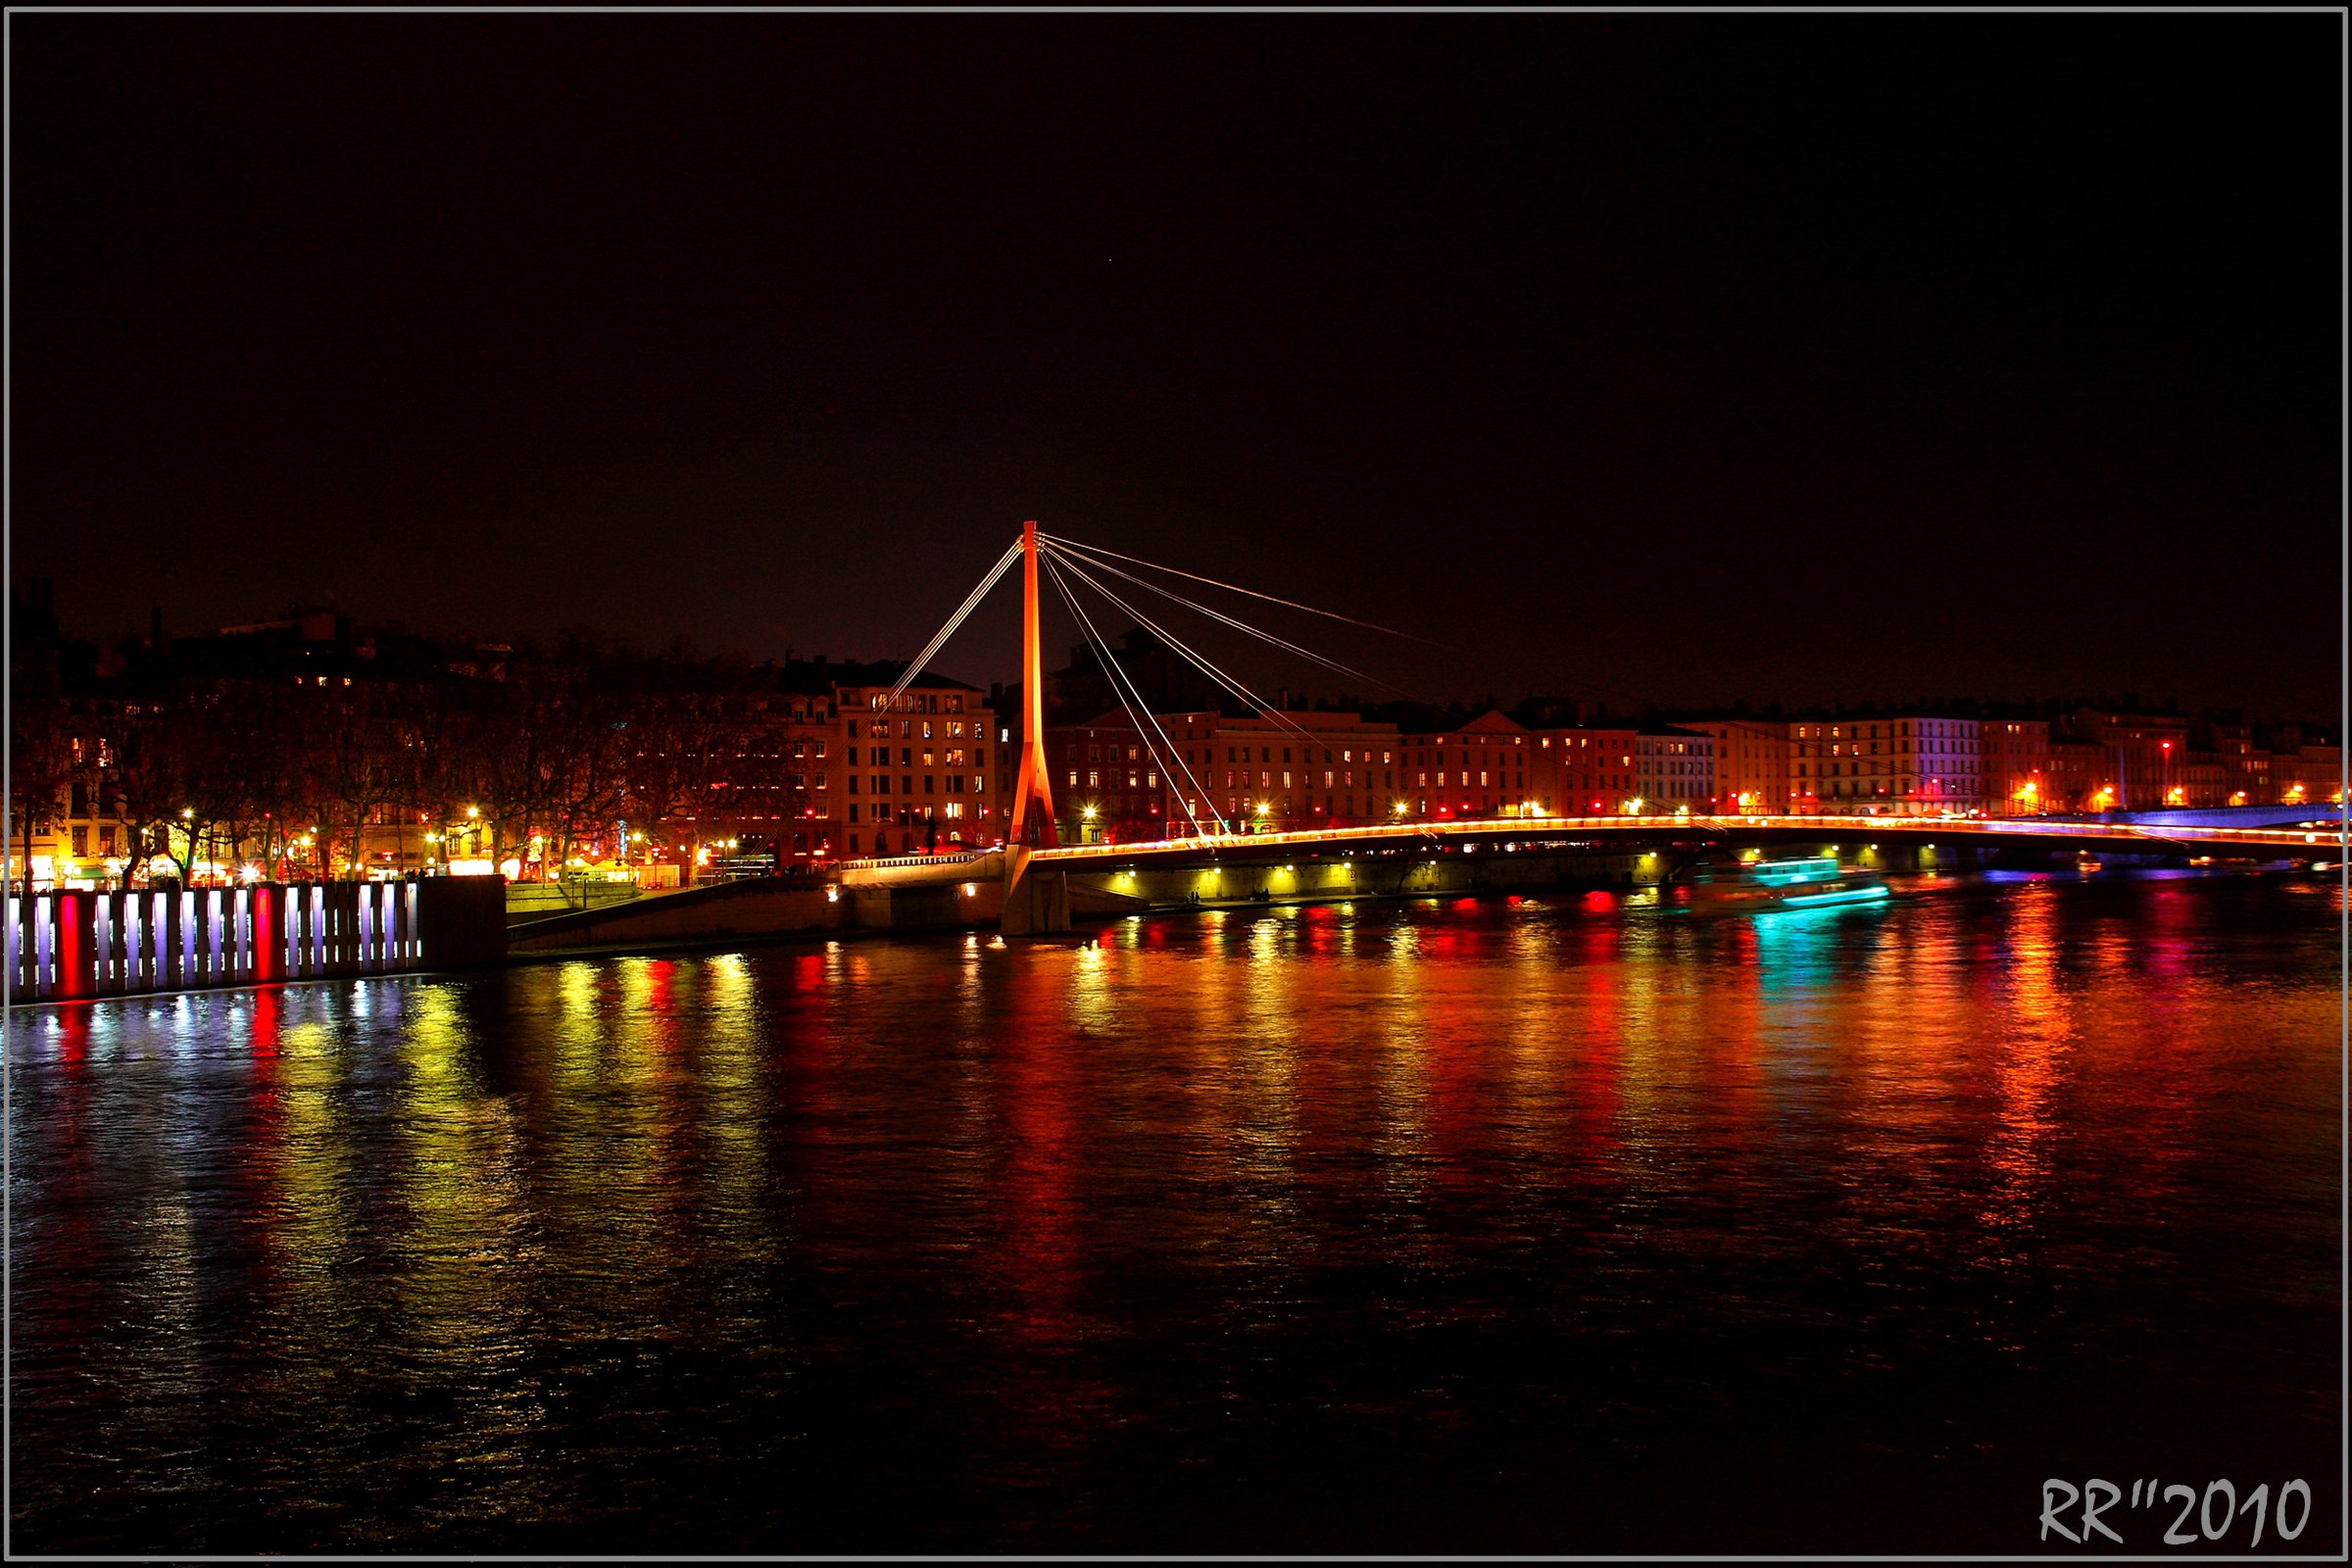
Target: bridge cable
point(1332, 614)
point(1138, 706)
point(1603, 687)
point(1239, 625)
point(915, 668)
point(1232, 684)
point(1167, 770)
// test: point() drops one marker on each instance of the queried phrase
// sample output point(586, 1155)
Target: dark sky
point(1690, 358)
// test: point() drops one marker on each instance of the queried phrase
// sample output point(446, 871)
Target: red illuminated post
point(1036, 781)
point(76, 957)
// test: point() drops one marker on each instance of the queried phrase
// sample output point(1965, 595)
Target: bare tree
point(677, 761)
point(40, 765)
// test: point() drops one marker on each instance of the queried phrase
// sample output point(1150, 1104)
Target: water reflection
point(1325, 1220)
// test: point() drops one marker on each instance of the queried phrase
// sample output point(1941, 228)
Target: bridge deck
point(2122, 836)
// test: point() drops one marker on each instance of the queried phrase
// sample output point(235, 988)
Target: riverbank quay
point(75, 944)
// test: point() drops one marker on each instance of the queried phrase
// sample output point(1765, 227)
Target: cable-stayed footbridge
point(1035, 867)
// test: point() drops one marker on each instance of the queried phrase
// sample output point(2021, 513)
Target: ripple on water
point(1488, 1225)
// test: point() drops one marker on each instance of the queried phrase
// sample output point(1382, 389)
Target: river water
point(1551, 1224)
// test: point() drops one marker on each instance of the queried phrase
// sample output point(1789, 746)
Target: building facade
point(916, 769)
point(2305, 767)
point(1494, 767)
point(2015, 759)
point(2139, 755)
point(1487, 767)
point(1586, 769)
point(1212, 771)
point(1885, 764)
point(1751, 764)
point(1673, 770)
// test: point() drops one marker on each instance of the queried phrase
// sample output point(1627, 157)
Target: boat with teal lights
point(1806, 882)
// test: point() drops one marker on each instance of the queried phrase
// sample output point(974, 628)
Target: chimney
point(155, 625)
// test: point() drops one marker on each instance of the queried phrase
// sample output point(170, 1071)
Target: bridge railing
point(1832, 826)
point(956, 858)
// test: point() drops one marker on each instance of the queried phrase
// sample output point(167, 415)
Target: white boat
point(1812, 882)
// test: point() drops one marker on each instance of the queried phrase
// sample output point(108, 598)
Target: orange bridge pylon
point(1035, 787)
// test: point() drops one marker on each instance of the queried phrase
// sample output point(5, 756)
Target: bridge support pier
point(1036, 903)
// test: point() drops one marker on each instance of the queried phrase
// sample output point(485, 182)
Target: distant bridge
point(2297, 815)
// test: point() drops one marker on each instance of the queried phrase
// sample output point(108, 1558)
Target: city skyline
point(322, 746)
point(1298, 683)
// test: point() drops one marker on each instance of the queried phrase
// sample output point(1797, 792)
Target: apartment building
point(1673, 770)
point(1489, 767)
point(1752, 763)
point(1879, 764)
point(917, 767)
point(1253, 772)
point(1586, 769)
point(2016, 779)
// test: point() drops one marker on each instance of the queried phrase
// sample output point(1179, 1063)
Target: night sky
point(1676, 357)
